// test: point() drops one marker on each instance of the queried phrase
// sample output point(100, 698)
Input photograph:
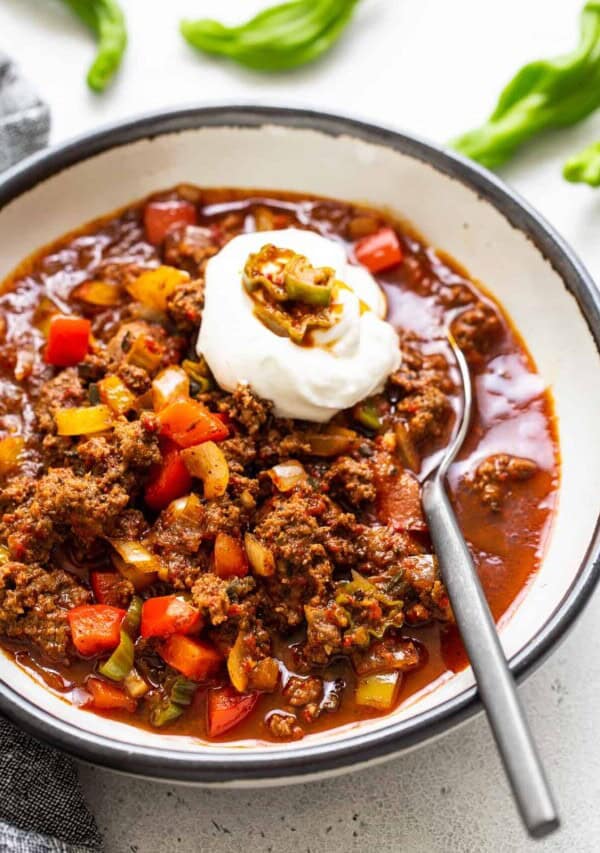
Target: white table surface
point(432, 67)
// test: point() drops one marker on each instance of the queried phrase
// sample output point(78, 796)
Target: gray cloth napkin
point(24, 118)
point(42, 809)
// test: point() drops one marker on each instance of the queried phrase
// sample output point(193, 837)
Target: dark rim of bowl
point(222, 766)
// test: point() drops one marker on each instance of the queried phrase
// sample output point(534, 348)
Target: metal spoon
point(496, 686)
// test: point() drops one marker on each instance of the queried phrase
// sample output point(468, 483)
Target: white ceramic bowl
point(457, 207)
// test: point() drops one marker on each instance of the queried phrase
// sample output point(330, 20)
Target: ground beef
point(248, 410)
point(119, 457)
point(379, 548)
point(422, 581)
point(209, 594)
point(185, 305)
point(16, 491)
point(63, 391)
point(240, 451)
point(189, 247)
point(427, 414)
point(324, 627)
point(350, 480)
point(63, 504)
point(476, 331)
point(284, 726)
point(34, 604)
point(494, 476)
point(224, 515)
point(290, 528)
point(281, 440)
point(136, 378)
point(301, 691)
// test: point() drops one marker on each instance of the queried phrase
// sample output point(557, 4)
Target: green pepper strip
point(301, 282)
point(279, 38)
point(106, 20)
point(119, 664)
point(162, 715)
point(366, 414)
point(183, 691)
point(133, 616)
point(548, 93)
point(584, 168)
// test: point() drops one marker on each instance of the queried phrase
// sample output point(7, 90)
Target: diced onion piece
point(259, 556)
point(236, 663)
point(188, 506)
point(4, 554)
point(229, 556)
point(171, 384)
point(378, 691)
point(11, 448)
point(331, 441)
point(98, 293)
point(287, 475)
point(135, 685)
point(83, 420)
point(208, 462)
point(136, 554)
point(153, 287)
point(406, 447)
point(141, 580)
point(116, 395)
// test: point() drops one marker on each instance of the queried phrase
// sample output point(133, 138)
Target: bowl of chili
point(163, 677)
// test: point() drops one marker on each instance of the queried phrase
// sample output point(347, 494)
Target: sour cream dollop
point(344, 364)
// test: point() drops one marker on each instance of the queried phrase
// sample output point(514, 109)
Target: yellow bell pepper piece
point(116, 395)
point(83, 420)
point(153, 287)
point(11, 448)
point(98, 293)
point(378, 691)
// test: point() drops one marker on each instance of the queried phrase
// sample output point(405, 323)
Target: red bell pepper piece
point(109, 697)
point(167, 480)
point(68, 340)
point(226, 708)
point(95, 628)
point(194, 658)
point(161, 216)
point(379, 251)
point(230, 557)
point(188, 422)
point(105, 586)
point(169, 614)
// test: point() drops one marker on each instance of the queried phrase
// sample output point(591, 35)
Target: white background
point(432, 67)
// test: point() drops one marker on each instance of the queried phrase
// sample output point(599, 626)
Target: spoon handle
point(496, 686)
